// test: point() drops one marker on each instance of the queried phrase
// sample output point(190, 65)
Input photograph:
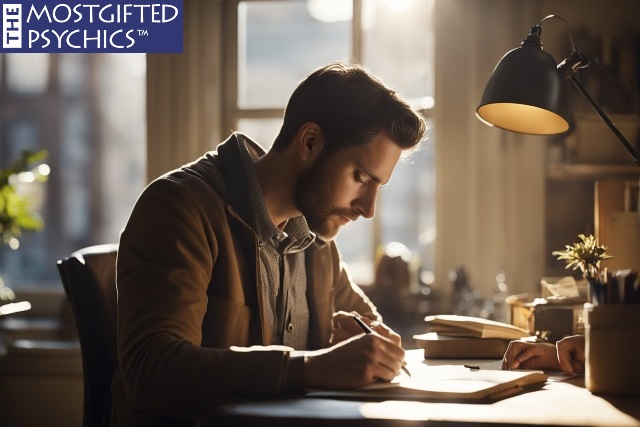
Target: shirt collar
point(296, 235)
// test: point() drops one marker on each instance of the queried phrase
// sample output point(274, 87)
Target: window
point(278, 43)
point(88, 112)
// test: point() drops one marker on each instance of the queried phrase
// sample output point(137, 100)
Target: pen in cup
point(368, 330)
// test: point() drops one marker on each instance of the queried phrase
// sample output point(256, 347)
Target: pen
point(368, 330)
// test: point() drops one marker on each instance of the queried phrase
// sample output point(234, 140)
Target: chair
point(89, 279)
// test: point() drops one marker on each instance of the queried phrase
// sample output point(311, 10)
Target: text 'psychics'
point(48, 26)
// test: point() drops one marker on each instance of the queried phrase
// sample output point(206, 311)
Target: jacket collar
point(237, 185)
point(235, 178)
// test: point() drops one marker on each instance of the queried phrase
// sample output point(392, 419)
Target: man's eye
point(361, 179)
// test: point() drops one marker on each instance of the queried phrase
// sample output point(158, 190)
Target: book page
point(455, 382)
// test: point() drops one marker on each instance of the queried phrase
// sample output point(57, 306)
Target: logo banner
point(39, 26)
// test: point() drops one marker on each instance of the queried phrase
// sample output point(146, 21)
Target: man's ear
point(309, 141)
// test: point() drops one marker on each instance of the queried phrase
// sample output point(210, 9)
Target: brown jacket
point(189, 300)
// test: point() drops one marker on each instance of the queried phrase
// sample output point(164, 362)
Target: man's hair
point(351, 106)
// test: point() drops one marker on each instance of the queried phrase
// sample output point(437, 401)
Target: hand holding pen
point(343, 327)
point(355, 359)
point(368, 330)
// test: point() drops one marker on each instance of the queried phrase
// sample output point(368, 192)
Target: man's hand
point(571, 354)
point(344, 327)
point(355, 362)
point(528, 355)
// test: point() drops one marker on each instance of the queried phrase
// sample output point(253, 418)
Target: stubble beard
point(313, 200)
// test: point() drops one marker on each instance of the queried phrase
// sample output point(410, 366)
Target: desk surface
point(565, 403)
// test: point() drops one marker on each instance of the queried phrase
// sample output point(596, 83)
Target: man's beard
point(314, 202)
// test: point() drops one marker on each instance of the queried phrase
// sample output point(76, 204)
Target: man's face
point(336, 190)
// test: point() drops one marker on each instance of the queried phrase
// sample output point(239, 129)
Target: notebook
point(447, 383)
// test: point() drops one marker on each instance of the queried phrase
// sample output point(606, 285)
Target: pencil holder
point(612, 337)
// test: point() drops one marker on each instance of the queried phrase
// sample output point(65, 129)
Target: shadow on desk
point(566, 403)
point(627, 405)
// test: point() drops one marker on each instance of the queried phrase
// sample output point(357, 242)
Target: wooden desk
point(566, 403)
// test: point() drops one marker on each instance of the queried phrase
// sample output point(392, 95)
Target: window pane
point(263, 131)
point(398, 44)
point(123, 152)
point(95, 136)
point(73, 73)
point(404, 60)
point(407, 205)
point(27, 73)
point(280, 41)
point(75, 149)
point(356, 247)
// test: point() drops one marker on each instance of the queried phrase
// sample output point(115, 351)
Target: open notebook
point(446, 382)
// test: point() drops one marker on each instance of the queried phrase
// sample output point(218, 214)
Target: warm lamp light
point(528, 91)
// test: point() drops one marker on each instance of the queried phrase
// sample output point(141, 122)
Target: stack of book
point(466, 337)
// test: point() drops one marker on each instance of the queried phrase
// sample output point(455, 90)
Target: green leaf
point(16, 214)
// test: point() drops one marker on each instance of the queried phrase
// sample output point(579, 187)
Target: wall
point(572, 205)
point(491, 183)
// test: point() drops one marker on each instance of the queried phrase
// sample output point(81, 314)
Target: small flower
point(585, 255)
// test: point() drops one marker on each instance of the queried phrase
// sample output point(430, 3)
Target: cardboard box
point(540, 316)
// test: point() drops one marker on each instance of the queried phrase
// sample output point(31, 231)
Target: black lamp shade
point(526, 94)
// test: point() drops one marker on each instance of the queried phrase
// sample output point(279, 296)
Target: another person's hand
point(571, 354)
point(529, 355)
point(344, 327)
point(354, 362)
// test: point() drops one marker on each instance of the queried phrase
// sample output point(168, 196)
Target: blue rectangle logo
point(39, 26)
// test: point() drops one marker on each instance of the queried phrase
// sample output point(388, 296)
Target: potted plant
point(587, 256)
point(16, 212)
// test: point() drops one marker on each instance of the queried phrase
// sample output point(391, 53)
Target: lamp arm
point(634, 153)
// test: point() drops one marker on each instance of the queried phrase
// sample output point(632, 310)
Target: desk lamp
point(528, 92)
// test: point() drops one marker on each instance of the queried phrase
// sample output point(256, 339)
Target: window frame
point(232, 113)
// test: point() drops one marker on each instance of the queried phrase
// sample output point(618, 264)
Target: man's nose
point(367, 203)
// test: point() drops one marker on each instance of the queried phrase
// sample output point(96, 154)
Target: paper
point(446, 382)
point(552, 376)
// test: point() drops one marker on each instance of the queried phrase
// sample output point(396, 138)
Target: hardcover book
point(474, 327)
point(439, 346)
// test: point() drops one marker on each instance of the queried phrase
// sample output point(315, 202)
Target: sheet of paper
point(554, 376)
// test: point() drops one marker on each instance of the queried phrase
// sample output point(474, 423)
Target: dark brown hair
point(351, 106)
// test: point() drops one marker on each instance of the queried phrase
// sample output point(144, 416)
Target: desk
point(566, 403)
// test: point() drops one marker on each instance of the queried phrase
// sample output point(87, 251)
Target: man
point(567, 355)
point(229, 263)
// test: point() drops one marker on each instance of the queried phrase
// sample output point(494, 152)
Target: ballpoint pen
point(368, 330)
